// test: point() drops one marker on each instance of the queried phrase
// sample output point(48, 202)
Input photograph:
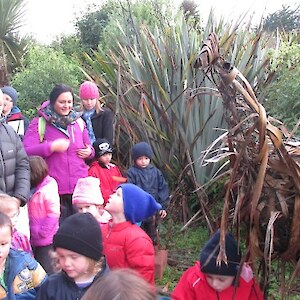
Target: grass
point(184, 248)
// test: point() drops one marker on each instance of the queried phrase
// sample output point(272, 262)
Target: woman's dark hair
point(57, 90)
point(38, 170)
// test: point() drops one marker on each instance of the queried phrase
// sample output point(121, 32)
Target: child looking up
point(108, 173)
point(125, 244)
point(20, 274)
point(87, 197)
point(150, 179)
point(10, 206)
point(78, 246)
point(206, 280)
point(44, 211)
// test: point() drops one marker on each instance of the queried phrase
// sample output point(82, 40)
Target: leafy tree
point(43, 67)
point(90, 27)
point(69, 44)
point(11, 48)
point(103, 27)
point(283, 94)
point(284, 19)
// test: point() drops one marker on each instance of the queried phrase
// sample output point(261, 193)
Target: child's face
point(74, 264)
point(105, 158)
point(90, 208)
point(115, 202)
point(219, 282)
point(142, 162)
point(89, 104)
point(5, 241)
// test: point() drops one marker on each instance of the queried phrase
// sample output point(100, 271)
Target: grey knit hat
point(11, 92)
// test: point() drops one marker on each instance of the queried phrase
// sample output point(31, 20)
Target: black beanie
point(101, 147)
point(80, 233)
point(210, 252)
point(141, 149)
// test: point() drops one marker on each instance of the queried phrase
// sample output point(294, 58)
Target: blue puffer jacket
point(23, 276)
point(152, 181)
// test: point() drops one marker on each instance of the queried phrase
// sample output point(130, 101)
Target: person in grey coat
point(14, 163)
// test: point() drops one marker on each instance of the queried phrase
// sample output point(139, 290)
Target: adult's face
point(63, 104)
point(89, 104)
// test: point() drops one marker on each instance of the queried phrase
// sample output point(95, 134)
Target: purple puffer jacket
point(65, 167)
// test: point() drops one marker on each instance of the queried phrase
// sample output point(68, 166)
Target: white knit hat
point(87, 190)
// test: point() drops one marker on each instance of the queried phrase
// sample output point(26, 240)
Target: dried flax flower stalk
point(263, 191)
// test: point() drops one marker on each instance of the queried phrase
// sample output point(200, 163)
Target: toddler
point(10, 206)
point(108, 173)
point(20, 274)
point(150, 179)
point(125, 244)
point(206, 280)
point(44, 211)
point(87, 197)
point(78, 246)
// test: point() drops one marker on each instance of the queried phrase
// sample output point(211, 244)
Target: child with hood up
point(207, 281)
point(126, 245)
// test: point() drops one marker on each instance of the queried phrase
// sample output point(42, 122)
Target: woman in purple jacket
point(59, 135)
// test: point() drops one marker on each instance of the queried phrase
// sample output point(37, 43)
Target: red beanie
point(88, 90)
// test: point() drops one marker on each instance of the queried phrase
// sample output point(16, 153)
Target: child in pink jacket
point(43, 210)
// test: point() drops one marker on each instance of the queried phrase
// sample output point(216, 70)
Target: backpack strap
point(41, 128)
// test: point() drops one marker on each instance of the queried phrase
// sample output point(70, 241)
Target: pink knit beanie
point(88, 90)
point(87, 190)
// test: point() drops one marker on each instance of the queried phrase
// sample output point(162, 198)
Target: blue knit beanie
point(138, 204)
point(11, 92)
point(210, 251)
point(141, 149)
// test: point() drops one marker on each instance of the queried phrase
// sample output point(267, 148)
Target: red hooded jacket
point(193, 286)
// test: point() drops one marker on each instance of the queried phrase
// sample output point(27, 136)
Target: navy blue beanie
point(11, 92)
point(141, 149)
point(138, 204)
point(210, 252)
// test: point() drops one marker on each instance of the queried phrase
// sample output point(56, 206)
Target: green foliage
point(69, 44)
point(283, 94)
point(43, 67)
point(91, 25)
point(159, 97)
point(184, 248)
point(11, 48)
point(284, 19)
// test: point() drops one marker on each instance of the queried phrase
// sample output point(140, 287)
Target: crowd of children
point(104, 246)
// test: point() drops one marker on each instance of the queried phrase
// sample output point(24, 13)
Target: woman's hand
point(84, 152)
point(60, 145)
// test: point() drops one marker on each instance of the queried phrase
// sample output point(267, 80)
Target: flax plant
point(158, 96)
